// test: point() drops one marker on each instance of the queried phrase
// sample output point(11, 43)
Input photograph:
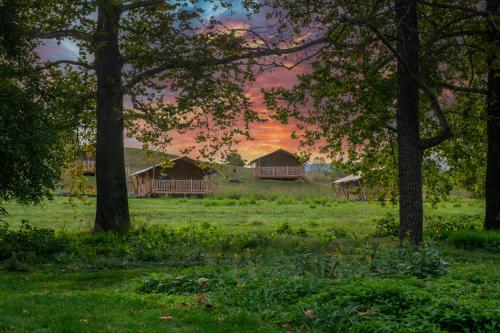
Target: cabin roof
point(347, 179)
point(183, 158)
point(282, 151)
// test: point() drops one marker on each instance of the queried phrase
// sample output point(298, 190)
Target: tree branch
point(443, 123)
point(454, 7)
point(70, 33)
point(183, 63)
point(47, 65)
point(141, 4)
point(452, 87)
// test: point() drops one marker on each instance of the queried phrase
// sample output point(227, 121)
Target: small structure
point(185, 177)
point(88, 161)
point(350, 187)
point(279, 164)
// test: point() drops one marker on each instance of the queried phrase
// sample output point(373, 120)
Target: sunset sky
point(268, 136)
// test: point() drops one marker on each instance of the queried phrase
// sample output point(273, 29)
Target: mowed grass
point(106, 301)
point(243, 214)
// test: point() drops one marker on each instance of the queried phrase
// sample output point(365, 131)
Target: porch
point(280, 172)
point(175, 187)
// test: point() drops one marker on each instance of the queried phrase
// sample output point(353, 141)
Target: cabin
point(185, 177)
point(350, 188)
point(279, 164)
point(88, 161)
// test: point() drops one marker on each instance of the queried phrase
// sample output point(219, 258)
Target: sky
point(267, 136)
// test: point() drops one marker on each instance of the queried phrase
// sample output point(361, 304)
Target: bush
point(386, 226)
point(473, 240)
point(30, 242)
point(440, 227)
point(285, 229)
point(421, 262)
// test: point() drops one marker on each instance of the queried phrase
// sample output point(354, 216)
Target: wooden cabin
point(88, 161)
point(279, 164)
point(351, 188)
point(185, 177)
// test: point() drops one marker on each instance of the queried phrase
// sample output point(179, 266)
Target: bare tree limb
point(443, 123)
point(141, 4)
point(453, 87)
point(69, 33)
point(47, 65)
point(184, 63)
point(455, 7)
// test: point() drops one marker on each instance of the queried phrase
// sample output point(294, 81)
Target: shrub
point(440, 226)
point(284, 229)
point(478, 239)
point(332, 234)
point(421, 262)
point(29, 242)
point(386, 226)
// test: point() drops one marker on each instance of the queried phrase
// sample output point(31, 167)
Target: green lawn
point(238, 215)
point(260, 276)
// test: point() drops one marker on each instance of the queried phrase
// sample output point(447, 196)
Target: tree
point(234, 159)
point(133, 44)
point(468, 33)
point(369, 92)
point(140, 49)
point(34, 123)
point(492, 216)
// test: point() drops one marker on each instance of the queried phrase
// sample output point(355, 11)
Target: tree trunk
point(408, 126)
point(112, 202)
point(492, 214)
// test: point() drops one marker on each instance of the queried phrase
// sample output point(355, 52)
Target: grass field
point(242, 214)
point(288, 259)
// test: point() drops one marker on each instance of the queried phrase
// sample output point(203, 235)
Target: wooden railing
point(88, 165)
point(189, 186)
point(279, 171)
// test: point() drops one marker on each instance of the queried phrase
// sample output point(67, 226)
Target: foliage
point(386, 226)
point(475, 240)
point(29, 243)
point(421, 262)
point(34, 108)
point(440, 226)
point(234, 159)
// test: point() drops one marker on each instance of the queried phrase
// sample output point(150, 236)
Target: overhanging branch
point(141, 4)
point(462, 89)
point(183, 63)
point(70, 33)
point(47, 65)
point(443, 123)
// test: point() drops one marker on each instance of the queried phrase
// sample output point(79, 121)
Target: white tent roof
point(347, 179)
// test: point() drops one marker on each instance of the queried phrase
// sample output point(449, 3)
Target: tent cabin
point(279, 164)
point(350, 187)
point(185, 177)
point(88, 161)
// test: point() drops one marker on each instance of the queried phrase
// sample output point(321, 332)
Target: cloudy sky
point(268, 136)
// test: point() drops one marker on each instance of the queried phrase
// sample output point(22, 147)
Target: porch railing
point(279, 171)
point(189, 186)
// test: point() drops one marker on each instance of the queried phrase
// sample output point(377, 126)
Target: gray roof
point(282, 151)
point(185, 158)
point(347, 179)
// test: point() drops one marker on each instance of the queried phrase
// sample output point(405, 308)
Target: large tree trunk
point(407, 120)
point(112, 202)
point(492, 215)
